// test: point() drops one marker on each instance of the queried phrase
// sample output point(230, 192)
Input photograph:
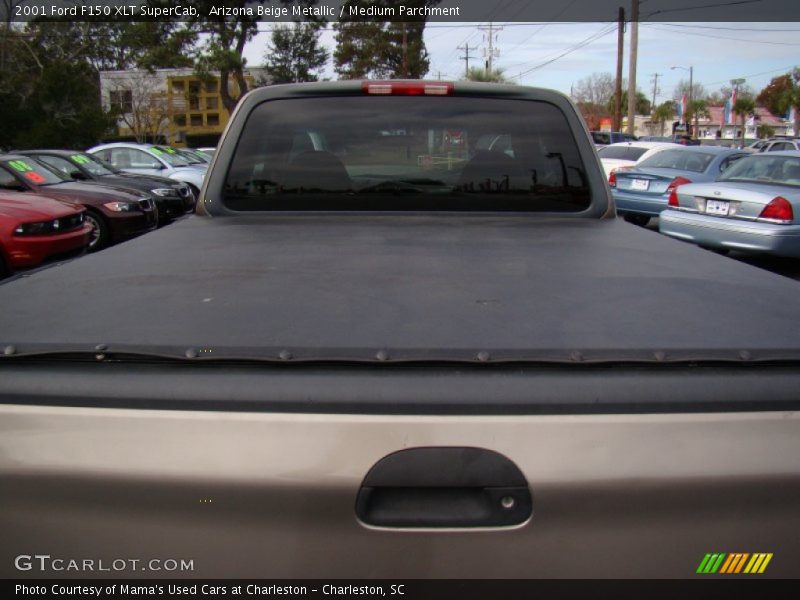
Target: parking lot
point(788, 267)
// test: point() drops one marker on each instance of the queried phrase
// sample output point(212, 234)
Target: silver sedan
point(753, 207)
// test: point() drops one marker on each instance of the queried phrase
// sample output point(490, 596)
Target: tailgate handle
point(444, 487)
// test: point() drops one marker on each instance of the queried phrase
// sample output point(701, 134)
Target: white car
point(627, 154)
point(152, 159)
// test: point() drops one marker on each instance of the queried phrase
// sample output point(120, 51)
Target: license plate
point(640, 184)
point(717, 207)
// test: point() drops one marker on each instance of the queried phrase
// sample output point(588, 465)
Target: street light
point(691, 86)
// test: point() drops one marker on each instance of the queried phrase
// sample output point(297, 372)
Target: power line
point(720, 37)
point(669, 10)
point(742, 29)
point(542, 26)
point(576, 46)
point(594, 37)
point(783, 70)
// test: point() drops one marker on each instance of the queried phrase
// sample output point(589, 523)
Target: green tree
point(116, 46)
point(695, 110)
point(781, 94)
point(664, 112)
point(744, 107)
point(295, 53)
point(777, 94)
point(496, 76)
point(223, 50)
point(642, 103)
point(765, 131)
point(48, 99)
point(381, 49)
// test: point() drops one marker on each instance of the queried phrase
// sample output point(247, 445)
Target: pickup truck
point(379, 352)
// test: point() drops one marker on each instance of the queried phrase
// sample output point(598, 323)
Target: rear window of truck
point(407, 153)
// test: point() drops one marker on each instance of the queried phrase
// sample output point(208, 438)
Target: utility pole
point(466, 48)
point(632, 67)
point(620, 58)
point(491, 52)
point(655, 91)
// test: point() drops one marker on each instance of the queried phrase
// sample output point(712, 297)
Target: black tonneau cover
point(405, 287)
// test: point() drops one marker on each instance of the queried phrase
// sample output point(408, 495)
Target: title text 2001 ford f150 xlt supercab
point(405, 337)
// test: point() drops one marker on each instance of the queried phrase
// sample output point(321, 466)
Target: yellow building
point(172, 106)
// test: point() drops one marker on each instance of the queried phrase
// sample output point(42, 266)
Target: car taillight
point(778, 209)
point(673, 185)
point(612, 178)
point(671, 189)
point(407, 88)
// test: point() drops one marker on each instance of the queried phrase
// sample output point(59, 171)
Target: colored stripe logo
point(734, 563)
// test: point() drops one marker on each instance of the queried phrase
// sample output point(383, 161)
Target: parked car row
point(626, 154)
point(61, 202)
point(774, 145)
point(718, 198)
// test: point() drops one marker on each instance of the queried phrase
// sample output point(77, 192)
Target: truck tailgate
point(273, 495)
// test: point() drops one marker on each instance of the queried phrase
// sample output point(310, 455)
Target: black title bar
point(500, 11)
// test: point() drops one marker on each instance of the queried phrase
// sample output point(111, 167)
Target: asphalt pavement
point(788, 267)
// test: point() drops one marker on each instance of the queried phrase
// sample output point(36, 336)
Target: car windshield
point(91, 163)
point(765, 168)
point(169, 155)
point(407, 153)
point(34, 172)
point(191, 157)
point(681, 160)
point(622, 152)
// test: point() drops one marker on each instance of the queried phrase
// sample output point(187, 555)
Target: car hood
point(151, 181)
point(143, 184)
point(86, 192)
point(406, 288)
point(31, 207)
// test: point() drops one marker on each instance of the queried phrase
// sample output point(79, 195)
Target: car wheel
point(640, 220)
point(99, 237)
point(196, 192)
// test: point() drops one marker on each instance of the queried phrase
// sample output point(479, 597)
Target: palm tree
point(663, 113)
point(696, 110)
point(743, 107)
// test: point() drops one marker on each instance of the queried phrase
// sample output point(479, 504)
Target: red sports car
point(115, 214)
point(34, 228)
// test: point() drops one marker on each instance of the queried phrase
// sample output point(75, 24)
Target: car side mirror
point(14, 187)
point(78, 176)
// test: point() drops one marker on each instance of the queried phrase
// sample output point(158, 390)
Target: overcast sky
point(718, 52)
